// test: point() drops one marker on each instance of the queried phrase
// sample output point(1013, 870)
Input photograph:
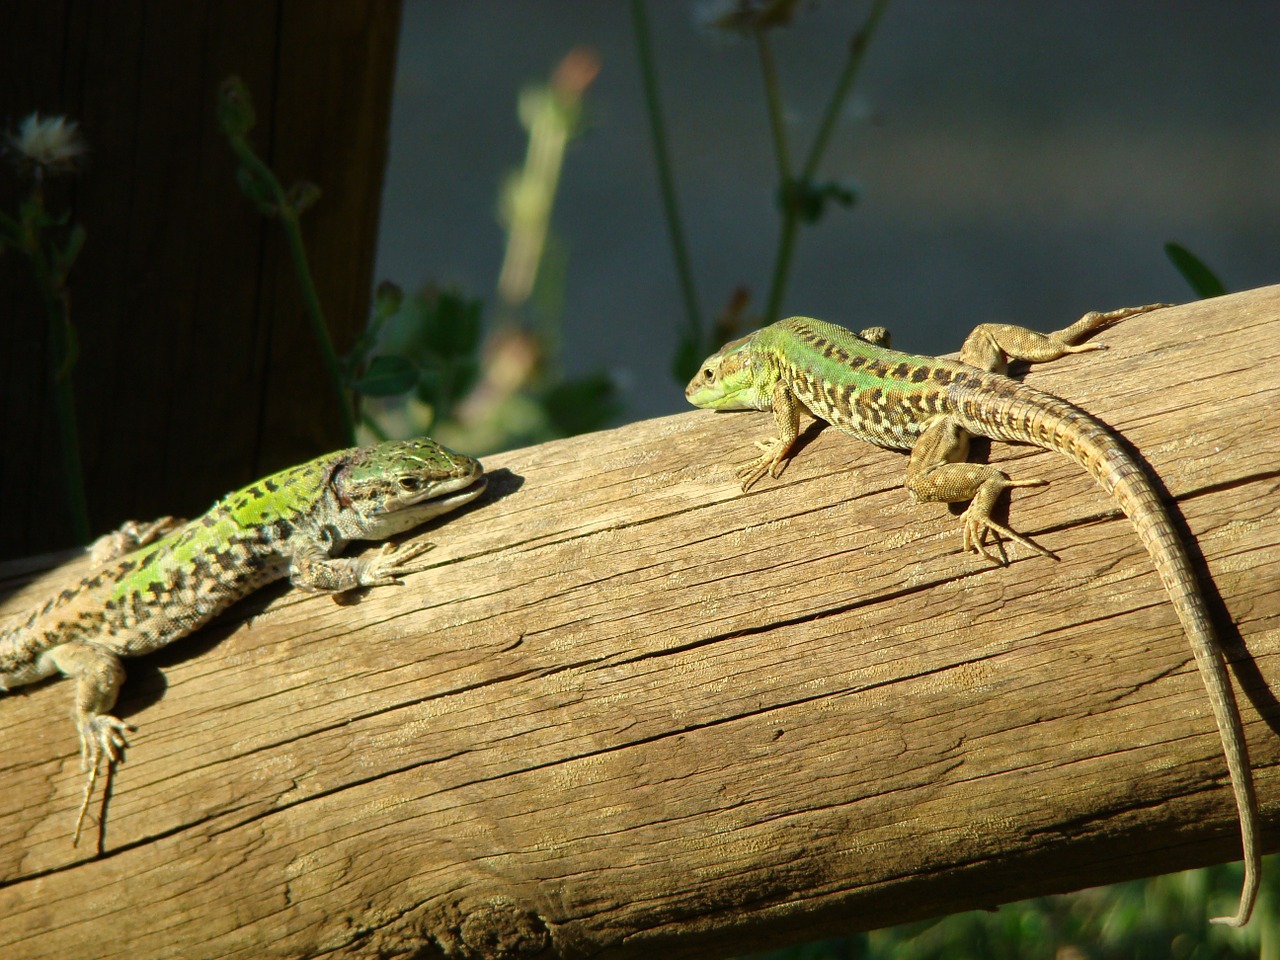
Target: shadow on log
point(634, 712)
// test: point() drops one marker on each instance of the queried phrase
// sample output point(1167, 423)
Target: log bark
point(633, 712)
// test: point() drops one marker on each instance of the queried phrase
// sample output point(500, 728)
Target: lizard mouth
point(456, 497)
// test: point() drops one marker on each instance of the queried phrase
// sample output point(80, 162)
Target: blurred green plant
point(1155, 919)
point(1202, 280)
point(40, 150)
point(423, 364)
point(693, 342)
point(425, 360)
point(801, 197)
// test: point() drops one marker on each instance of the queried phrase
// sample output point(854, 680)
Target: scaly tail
point(1136, 496)
point(1054, 424)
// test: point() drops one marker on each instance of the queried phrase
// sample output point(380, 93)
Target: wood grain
point(634, 712)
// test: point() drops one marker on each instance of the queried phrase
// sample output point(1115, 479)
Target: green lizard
point(932, 406)
point(157, 582)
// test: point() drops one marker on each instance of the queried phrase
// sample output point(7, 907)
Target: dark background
point(1016, 162)
point(1019, 162)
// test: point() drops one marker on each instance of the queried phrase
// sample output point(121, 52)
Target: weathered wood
point(633, 712)
point(187, 310)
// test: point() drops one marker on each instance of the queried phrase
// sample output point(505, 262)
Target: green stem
point(65, 409)
point(57, 308)
point(777, 124)
point(662, 159)
point(844, 86)
point(310, 298)
point(773, 99)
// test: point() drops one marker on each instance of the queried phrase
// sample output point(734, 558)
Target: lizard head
point(729, 380)
point(392, 487)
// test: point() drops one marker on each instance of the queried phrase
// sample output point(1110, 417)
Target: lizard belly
point(37, 669)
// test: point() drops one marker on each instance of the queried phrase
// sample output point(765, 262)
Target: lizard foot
point(978, 523)
point(772, 460)
point(1096, 320)
point(391, 563)
point(102, 736)
point(977, 526)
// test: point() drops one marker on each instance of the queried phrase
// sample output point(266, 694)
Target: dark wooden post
point(196, 369)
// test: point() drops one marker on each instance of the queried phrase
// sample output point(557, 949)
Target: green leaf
point(65, 257)
point(1203, 281)
point(387, 376)
point(453, 326)
point(431, 388)
point(810, 199)
point(235, 107)
point(581, 405)
point(33, 216)
point(302, 196)
point(387, 300)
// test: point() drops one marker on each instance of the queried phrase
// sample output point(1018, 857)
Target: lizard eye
point(410, 484)
point(708, 374)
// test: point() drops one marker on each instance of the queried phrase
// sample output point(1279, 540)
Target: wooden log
point(634, 712)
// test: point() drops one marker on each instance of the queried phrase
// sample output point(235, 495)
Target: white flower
point(53, 144)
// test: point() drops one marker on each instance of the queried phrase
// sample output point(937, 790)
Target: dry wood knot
point(499, 930)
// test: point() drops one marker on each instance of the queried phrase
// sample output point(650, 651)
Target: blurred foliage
point(259, 183)
point(1203, 281)
point(39, 151)
point(426, 363)
point(426, 366)
point(802, 198)
point(1163, 918)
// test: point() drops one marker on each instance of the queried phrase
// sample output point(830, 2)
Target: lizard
point(156, 582)
point(932, 406)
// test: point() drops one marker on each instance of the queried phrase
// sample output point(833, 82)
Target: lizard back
point(140, 601)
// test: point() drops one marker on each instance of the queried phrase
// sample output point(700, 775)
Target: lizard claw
point(391, 563)
point(772, 460)
point(977, 525)
point(101, 735)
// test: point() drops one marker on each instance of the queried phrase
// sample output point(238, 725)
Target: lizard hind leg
point(101, 737)
point(992, 345)
point(98, 674)
point(938, 473)
point(131, 536)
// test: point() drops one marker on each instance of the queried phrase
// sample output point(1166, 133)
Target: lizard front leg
point(776, 451)
point(938, 473)
point(992, 345)
point(313, 569)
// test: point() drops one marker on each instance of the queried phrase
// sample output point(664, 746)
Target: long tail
point(1054, 424)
